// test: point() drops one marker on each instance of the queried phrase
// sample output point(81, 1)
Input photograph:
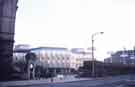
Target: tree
point(30, 64)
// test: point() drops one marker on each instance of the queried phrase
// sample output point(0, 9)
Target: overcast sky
point(70, 23)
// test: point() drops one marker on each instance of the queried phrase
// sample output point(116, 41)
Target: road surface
point(76, 84)
point(119, 81)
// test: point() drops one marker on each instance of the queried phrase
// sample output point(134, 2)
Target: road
point(76, 84)
point(108, 82)
point(80, 84)
point(119, 81)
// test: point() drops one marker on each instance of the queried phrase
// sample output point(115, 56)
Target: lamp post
point(93, 59)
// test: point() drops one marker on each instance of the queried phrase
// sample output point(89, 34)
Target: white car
point(60, 76)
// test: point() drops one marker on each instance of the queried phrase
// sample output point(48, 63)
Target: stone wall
point(7, 26)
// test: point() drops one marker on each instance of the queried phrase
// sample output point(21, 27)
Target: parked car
point(60, 76)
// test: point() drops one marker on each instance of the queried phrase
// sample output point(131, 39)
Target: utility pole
point(93, 58)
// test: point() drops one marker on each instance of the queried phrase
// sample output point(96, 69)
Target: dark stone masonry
point(7, 26)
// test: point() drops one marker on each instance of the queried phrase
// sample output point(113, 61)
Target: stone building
point(7, 26)
point(122, 57)
point(56, 59)
point(79, 55)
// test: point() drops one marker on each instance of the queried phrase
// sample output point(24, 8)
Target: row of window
point(55, 58)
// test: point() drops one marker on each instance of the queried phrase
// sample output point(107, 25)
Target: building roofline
point(49, 48)
point(21, 50)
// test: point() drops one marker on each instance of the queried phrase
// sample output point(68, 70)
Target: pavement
point(41, 81)
point(68, 81)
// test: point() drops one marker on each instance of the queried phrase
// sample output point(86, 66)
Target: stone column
point(7, 25)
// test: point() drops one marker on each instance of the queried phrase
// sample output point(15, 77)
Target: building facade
point(55, 60)
point(122, 57)
point(7, 26)
point(80, 55)
point(20, 52)
point(108, 60)
point(54, 57)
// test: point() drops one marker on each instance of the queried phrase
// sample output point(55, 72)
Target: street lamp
point(93, 59)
